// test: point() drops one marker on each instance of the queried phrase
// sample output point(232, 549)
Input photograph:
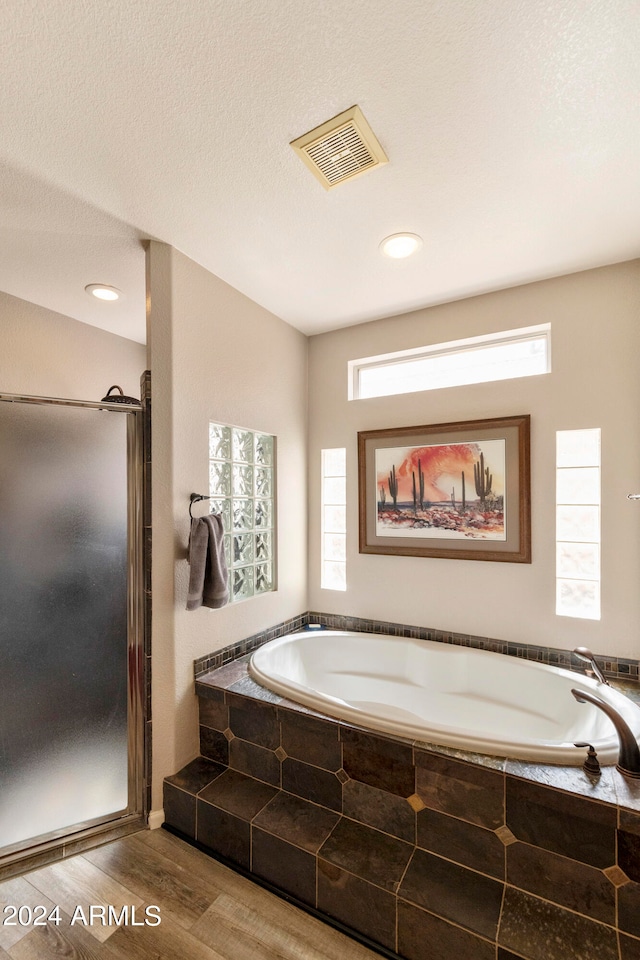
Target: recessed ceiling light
point(400, 245)
point(102, 291)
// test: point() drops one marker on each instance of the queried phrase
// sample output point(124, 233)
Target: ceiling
point(511, 128)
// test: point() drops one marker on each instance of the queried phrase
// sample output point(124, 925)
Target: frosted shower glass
point(63, 618)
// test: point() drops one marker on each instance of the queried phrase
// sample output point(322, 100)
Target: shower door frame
point(134, 818)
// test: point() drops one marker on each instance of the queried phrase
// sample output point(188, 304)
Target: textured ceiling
point(511, 128)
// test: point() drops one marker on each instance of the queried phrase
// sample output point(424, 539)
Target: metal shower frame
point(136, 812)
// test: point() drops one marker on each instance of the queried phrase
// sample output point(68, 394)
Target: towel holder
point(194, 497)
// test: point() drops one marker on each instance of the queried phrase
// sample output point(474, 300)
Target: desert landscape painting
point(452, 491)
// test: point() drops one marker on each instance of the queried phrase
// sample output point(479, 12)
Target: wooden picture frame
point(455, 490)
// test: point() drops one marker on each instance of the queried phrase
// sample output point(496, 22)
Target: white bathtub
point(444, 694)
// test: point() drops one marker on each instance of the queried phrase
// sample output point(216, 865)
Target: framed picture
point(456, 490)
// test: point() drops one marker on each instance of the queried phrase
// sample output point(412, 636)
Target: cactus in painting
point(383, 496)
point(421, 484)
point(483, 479)
point(463, 505)
point(393, 487)
point(415, 494)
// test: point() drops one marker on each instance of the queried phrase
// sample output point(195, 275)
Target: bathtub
point(444, 694)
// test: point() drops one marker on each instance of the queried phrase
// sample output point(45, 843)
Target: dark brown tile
point(369, 854)
point(238, 794)
point(214, 745)
point(358, 904)
point(224, 833)
point(380, 809)
point(422, 936)
point(255, 761)
point(571, 779)
point(386, 764)
point(460, 789)
point(629, 948)
point(302, 823)
point(538, 930)
point(466, 843)
point(630, 822)
point(312, 783)
point(309, 739)
point(454, 893)
point(629, 854)
point(196, 775)
point(213, 713)
point(289, 868)
point(507, 955)
point(179, 809)
point(569, 825)
point(566, 882)
point(629, 908)
point(254, 721)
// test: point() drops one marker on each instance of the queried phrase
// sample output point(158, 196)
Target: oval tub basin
point(444, 694)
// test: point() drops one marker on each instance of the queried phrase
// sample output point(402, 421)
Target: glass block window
point(334, 519)
point(578, 524)
point(242, 490)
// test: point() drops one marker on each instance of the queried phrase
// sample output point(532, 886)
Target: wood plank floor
point(207, 912)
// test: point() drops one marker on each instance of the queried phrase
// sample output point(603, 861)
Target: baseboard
point(155, 819)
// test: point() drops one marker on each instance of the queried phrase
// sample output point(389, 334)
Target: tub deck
point(408, 844)
point(468, 699)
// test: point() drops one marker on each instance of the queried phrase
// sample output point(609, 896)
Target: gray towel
point(208, 578)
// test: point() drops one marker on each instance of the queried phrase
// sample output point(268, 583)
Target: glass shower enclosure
point(71, 677)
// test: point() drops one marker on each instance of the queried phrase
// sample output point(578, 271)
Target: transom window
point(497, 356)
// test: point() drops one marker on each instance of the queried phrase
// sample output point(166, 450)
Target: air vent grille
point(340, 149)
point(340, 155)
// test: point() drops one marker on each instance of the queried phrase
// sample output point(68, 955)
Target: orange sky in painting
point(442, 466)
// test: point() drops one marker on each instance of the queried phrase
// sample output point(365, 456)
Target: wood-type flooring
point(206, 911)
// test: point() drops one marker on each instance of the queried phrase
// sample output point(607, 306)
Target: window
point(242, 489)
point(334, 519)
point(578, 523)
point(497, 356)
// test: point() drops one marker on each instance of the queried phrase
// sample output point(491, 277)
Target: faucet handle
point(591, 765)
point(629, 756)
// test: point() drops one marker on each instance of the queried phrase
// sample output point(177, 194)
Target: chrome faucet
point(583, 653)
point(629, 756)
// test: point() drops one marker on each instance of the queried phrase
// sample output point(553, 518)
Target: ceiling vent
point(340, 149)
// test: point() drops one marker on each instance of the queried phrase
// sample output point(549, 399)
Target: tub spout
point(629, 756)
point(583, 653)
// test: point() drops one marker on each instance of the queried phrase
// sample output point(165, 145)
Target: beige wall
point(215, 355)
point(595, 318)
point(48, 355)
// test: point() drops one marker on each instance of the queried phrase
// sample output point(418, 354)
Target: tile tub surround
point(428, 852)
point(615, 668)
